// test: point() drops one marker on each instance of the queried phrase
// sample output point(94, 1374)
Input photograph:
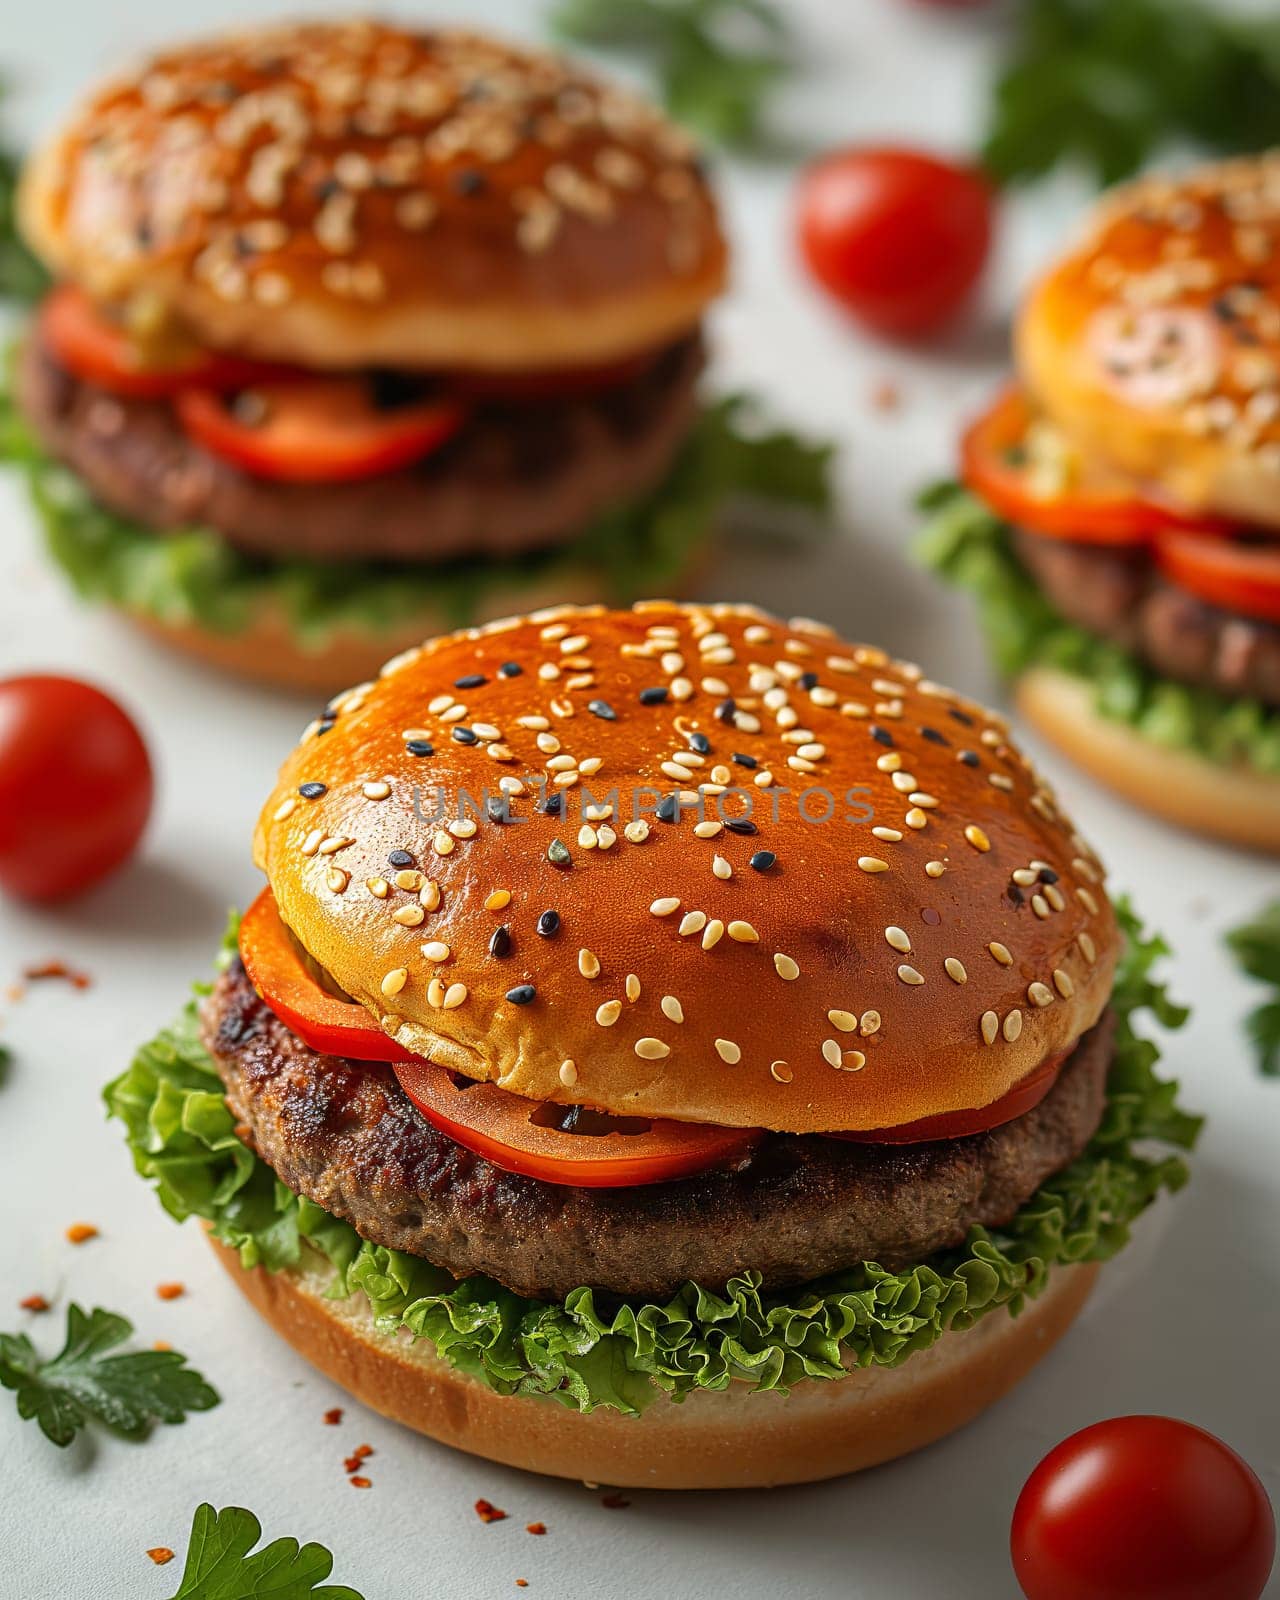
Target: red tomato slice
point(567, 1144)
point(550, 383)
point(1098, 510)
point(274, 962)
point(1238, 577)
point(92, 347)
point(1022, 1098)
point(315, 430)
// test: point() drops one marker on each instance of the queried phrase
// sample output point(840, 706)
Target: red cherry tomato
point(1143, 1508)
point(898, 237)
point(75, 786)
point(316, 430)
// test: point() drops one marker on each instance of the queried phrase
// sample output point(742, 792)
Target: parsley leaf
point(21, 275)
point(1105, 84)
point(126, 1392)
point(220, 1566)
point(6, 1061)
point(1256, 947)
point(716, 61)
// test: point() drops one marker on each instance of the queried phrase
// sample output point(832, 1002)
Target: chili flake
point(33, 1302)
point(171, 1291)
point(161, 1555)
point(81, 1232)
point(488, 1512)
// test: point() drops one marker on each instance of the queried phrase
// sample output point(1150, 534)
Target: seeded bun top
point(1155, 345)
point(858, 972)
point(359, 194)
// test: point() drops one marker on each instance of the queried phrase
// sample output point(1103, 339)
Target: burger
point(1119, 511)
point(673, 1047)
point(359, 333)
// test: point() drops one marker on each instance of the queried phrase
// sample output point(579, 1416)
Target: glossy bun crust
point(860, 980)
point(1156, 344)
point(355, 194)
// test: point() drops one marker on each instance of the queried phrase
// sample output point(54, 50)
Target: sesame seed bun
point(1155, 345)
point(855, 973)
point(729, 1440)
point(1231, 803)
point(357, 194)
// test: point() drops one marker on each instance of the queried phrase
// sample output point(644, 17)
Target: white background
point(1188, 1323)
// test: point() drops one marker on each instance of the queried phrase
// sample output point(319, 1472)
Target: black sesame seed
point(653, 697)
point(962, 717)
point(725, 710)
point(498, 808)
point(553, 805)
point(469, 182)
point(400, 858)
point(808, 680)
point(1016, 894)
point(312, 791)
point(881, 735)
point(934, 737)
point(668, 808)
point(466, 735)
point(473, 680)
point(763, 860)
point(971, 758)
point(700, 743)
point(602, 709)
point(419, 747)
point(510, 669)
point(522, 995)
point(1048, 875)
point(549, 924)
point(741, 825)
point(558, 853)
point(745, 761)
point(500, 943)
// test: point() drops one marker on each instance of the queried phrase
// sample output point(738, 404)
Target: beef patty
point(516, 478)
point(345, 1134)
point(1119, 595)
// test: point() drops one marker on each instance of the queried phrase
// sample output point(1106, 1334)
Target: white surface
point(1191, 1325)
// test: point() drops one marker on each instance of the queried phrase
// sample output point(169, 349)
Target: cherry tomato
point(92, 347)
point(1023, 1097)
point(897, 236)
point(316, 430)
point(1238, 577)
point(277, 970)
point(1100, 509)
point(570, 1145)
point(75, 786)
point(1143, 1508)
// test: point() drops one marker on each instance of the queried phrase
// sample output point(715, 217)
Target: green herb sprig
point(22, 278)
point(127, 1392)
point(222, 1565)
point(1256, 947)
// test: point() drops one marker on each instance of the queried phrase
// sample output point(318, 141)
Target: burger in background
point(1119, 512)
point(362, 332)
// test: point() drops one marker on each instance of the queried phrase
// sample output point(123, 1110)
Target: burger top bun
point(342, 195)
point(880, 914)
point(1156, 344)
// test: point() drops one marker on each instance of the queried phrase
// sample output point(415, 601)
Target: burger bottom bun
point(269, 651)
point(1232, 803)
point(729, 1440)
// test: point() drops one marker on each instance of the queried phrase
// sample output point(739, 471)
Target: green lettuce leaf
point(193, 575)
point(970, 546)
point(589, 1350)
point(22, 277)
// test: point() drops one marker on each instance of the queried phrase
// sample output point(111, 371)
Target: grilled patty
point(345, 1134)
point(1119, 595)
point(516, 478)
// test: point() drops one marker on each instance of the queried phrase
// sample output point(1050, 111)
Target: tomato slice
point(1238, 577)
point(552, 383)
point(315, 429)
point(997, 463)
point(93, 347)
point(570, 1145)
point(276, 967)
point(1023, 1097)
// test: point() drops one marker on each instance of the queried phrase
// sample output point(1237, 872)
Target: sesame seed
point(419, 747)
point(499, 942)
point(510, 669)
point(899, 939)
point(602, 709)
point(844, 1020)
point(558, 853)
point(990, 1027)
point(955, 970)
point(742, 825)
point(872, 864)
point(379, 887)
point(497, 900)
point(869, 1023)
point(743, 933)
point(394, 981)
point(665, 906)
point(336, 879)
point(454, 995)
point(409, 916)
point(832, 1054)
point(1040, 906)
point(721, 867)
point(1063, 984)
point(850, 1061)
point(1040, 994)
point(653, 697)
point(786, 967)
point(977, 838)
point(672, 1009)
point(549, 924)
point(637, 832)
point(522, 994)
point(652, 1049)
point(399, 858)
point(889, 835)
point(780, 1072)
point(712, 934)
point(1013, 1026)
point(934, 869)
point(437, 950)
point(909, 975)
point(1087, 948)
point(588, 963)
point(285, 809)
point(312, 791)
point(568, 1074)
point(632, 987)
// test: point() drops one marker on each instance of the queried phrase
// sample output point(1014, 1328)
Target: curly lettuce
point(970, 546)
point(590, 1350)
point(193, 575)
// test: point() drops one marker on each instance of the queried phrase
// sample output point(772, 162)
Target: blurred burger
point(1120, 511)
point(359, 333)
point(665, 1006)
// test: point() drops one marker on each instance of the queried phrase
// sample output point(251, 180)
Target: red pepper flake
point(171, 1291)
point(352, 1464)
point(488, 1512)
point(364, 1451)
point(334, 1417)
point(162, 1344)
point(161, 1555)
point(522, 1583)
point(33, 1302)
point(57, 969)
point(886, 395)
point(360, 1483)
point(614, 1502)
point(535, 1527)
point(81, 1232)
